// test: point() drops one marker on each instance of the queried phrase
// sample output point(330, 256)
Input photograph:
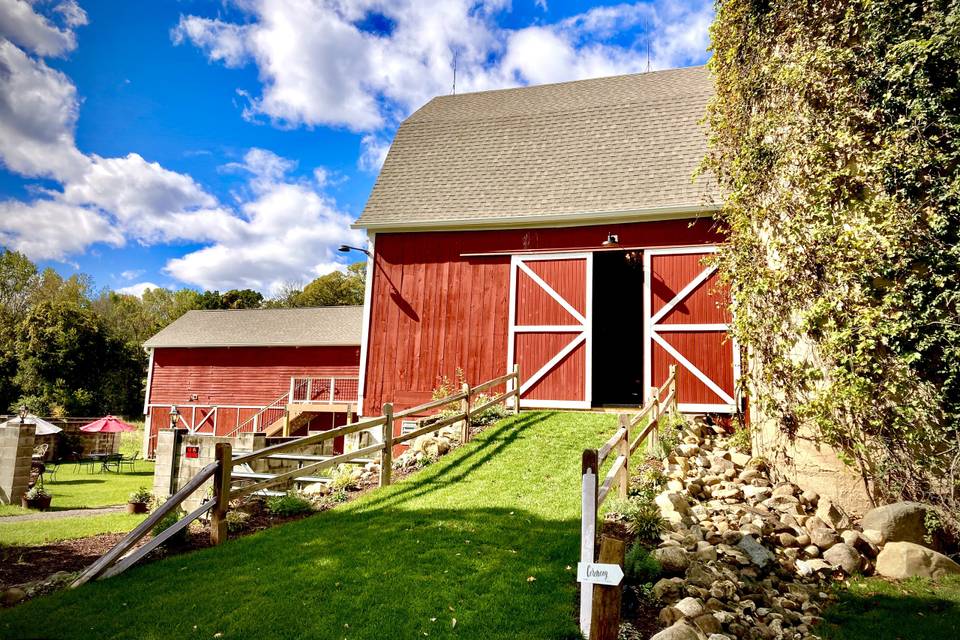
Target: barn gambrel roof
point(607, 147)
point(303, 327)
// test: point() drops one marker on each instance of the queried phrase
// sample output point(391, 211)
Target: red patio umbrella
point(108, 424)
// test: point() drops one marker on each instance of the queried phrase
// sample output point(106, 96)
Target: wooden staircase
point(300, 413)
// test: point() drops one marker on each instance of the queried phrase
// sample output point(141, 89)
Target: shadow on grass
point(394, 564)
point(392, 574)
point(873, 609)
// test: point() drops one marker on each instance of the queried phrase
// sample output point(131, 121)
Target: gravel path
point(69, 513)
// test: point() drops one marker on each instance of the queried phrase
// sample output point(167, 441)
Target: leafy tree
point(163, 306)
point(209, 300)
point(333, 289)
point(835, 135)
point(242, 299)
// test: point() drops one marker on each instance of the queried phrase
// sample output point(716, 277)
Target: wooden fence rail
point(229, 485)
point(593, 494)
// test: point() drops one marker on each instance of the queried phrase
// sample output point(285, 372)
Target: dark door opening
point(617, 367)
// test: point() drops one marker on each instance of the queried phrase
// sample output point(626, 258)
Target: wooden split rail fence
point(595, 601)
point(229, 484)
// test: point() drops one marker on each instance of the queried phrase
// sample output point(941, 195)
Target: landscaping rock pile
point(747, 557)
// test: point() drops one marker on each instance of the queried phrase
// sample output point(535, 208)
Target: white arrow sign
point(596, 573)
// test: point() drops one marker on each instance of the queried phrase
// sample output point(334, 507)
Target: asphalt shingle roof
point(313, 326)
point(617, 144)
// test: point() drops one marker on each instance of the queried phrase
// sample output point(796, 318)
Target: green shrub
point(639, 514)
point(168, 521)
point(237, 521)
point(740, 440)
point(647, 480)
point(640, 566)
point(337, 497)
point(497, 412)
point(343, 478)
point(289, 504)
point(141, 495)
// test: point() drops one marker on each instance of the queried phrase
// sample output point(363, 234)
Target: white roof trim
point(585, 218)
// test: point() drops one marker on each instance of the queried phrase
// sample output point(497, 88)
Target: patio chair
point(88, 464)
point(51, 471)
point(129, 462)
point(111, 462)
point(40, 450)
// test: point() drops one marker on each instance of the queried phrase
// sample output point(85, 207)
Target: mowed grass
point(36, 532)
point(75, 488)
point(483, 544)
point(875, 609)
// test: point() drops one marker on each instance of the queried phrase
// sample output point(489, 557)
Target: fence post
point(673, 388)
point(465, 410)
point(516, 387)
point(588, 530)
point(386, 455)
point(221, 492)
point(605, 620)
point(624, 449)
point(654, 438)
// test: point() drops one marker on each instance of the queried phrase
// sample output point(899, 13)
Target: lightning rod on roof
point(454, 92)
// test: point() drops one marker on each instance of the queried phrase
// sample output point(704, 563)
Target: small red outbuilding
point(558, 227)
point(233, 371)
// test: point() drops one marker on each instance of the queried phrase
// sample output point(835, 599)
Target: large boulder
point(898, 522)
point(673, 560)
point(758, 554)
point(843, 556)
point(901, 560)
point(673, 507)
point(681, 630)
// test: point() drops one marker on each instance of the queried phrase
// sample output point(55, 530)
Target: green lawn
point(874, 609)
point(482, 544)
point(74, 488)
point(36, 532)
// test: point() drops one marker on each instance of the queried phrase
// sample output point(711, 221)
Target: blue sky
point(230, 144)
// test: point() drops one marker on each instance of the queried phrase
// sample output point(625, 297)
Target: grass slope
point(459, 541)
point(874, 609)
point(36, 532)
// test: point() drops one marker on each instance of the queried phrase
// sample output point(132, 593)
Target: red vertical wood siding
point(710, 352)
point(254, 376)
point(433, 311)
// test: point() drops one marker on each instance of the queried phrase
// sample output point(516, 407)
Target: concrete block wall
point(16, 451)
point(174, 469)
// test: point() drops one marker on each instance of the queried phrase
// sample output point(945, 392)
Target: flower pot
point(42, 503)
point(137, 507)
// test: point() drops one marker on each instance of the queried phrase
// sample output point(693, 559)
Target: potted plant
point(139, 501)
point(36, 498)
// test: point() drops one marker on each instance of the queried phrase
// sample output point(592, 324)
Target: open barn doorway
point(617, 331)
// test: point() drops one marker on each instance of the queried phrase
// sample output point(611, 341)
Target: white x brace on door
point(686, 322)
point(550, 328)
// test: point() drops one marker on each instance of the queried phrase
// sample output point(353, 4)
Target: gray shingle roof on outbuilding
point(304, 327)
point(620, 144)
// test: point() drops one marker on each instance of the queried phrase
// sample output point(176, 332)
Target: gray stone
point(12, 596)
point(678, 631)
point(824, 538)
point(832, 514)
point(899, 560)
point(673, 507)
point(690, 607)
point(707, 623)
point(843, 556)
point(898, 522)
point(758, 554)
point(673, 560)
point(667, 588)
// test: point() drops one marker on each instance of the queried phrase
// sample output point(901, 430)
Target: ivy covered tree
point(835, 136)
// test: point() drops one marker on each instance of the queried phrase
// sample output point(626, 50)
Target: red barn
point(559, 227)
point(273, 370)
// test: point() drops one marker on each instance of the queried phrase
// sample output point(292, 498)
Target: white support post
point(332, 380)
point(588, 532)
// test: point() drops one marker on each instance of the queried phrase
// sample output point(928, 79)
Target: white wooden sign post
point(588, 534)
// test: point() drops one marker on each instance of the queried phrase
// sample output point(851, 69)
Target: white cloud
point(130, 274)
point(138, 288)
point(20, 23)
point(289, 233)
point(38, 113)
point(51, 230)
point(373, 152)
point(319, 67)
